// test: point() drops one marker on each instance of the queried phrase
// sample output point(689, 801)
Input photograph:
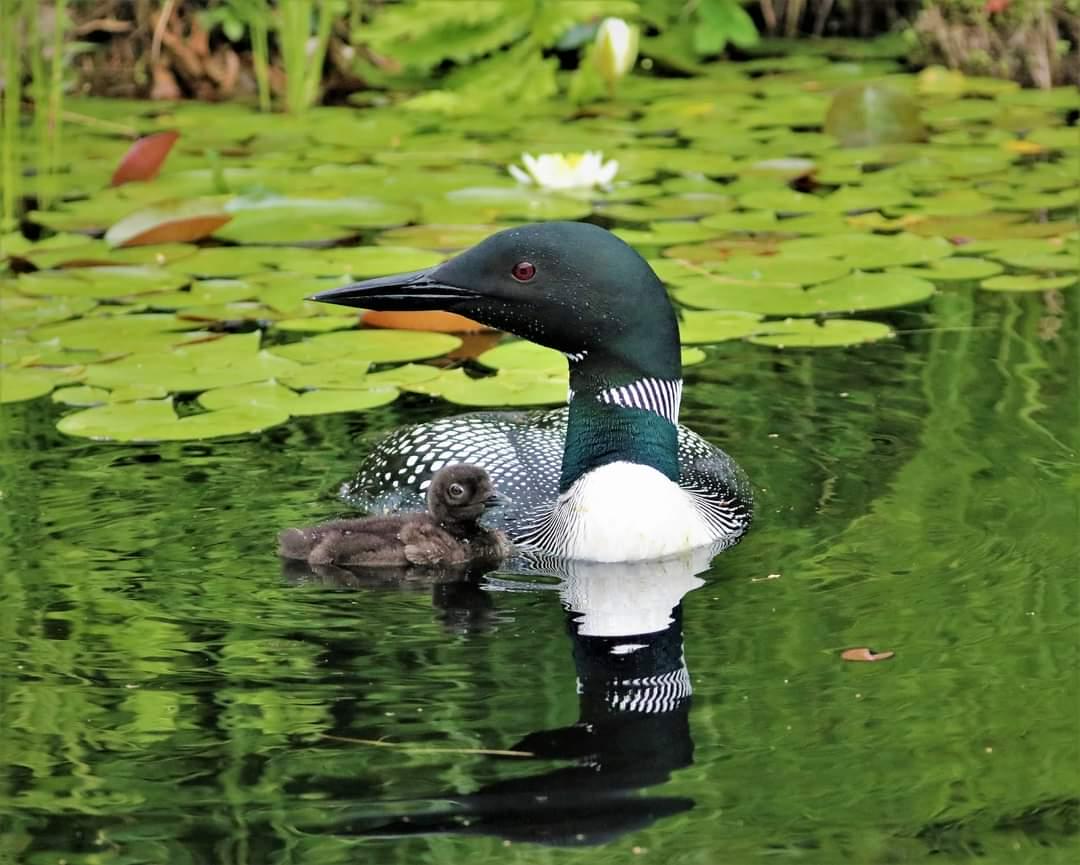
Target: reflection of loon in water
point(633, 728)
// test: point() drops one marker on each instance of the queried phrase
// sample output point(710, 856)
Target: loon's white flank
point(623, 512)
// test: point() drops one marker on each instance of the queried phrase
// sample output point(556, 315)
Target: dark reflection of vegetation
point(166, 697)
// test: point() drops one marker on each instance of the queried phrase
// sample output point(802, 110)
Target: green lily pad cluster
point(175, 308)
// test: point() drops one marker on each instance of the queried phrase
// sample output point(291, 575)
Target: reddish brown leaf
point(180, 230)
point(865, 654)
point(144, 158)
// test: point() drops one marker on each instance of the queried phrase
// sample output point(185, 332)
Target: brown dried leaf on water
point(864, 654)
point(144, 158)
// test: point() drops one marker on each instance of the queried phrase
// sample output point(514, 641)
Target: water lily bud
point(616, 49)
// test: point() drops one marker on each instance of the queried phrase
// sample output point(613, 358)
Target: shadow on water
point(624, 621)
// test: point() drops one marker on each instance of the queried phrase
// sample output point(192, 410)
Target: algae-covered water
point(171, 693)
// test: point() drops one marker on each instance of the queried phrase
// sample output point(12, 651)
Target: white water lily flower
point(566, 171)
point(616, 49)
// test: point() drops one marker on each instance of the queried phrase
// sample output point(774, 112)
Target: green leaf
point(808, 333)
point(374, 346)
point(83, 395)
point(710, 327)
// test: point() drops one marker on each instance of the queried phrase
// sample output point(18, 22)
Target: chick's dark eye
point(455, 491)
point(523, 271)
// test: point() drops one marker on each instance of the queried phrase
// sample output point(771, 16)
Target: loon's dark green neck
point(621, 414)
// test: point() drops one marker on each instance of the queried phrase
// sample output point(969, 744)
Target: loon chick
point(447, 533)
point(613, 477)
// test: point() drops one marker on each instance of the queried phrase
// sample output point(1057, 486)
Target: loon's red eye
point(523, 271)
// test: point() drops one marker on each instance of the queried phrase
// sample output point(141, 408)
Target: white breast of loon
point(624, 511)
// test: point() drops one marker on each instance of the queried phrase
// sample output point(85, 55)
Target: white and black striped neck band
point(658, 395)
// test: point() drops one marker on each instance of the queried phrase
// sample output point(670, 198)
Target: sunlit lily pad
point(857, 291)
point(1028, 282)
point(505, 388)
point(317, 323)
point(100, 282)
point(808, 333)
point(23, 384)
point(156, 420)
point(120, 333)
point(361, 261)
point(1050, 261)
point(263, 393)
point(333, 401)
point(444, 238)
point(82, 395)
point(783, 268)
point(307, 220)
point(375, 346)
point(17, 311)
point(717, 326)
point(870, 252)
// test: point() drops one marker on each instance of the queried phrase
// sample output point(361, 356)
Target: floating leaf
point(19, 385)
point(858, 291)
point(333, 401)
point(375, 346)
point(318, 323)
point(506, 388)
point(307, 220)
point(144, 158)
point(120, 333)
point(808, 333)
point(949, 269)
point(155, 420)
point(710, 327)
point(783, 268)
point(172, 222)
point(81, 395)
point(870, 252)
point(360, 261)
point(100, 282)
point(1028, 282)
point(263, 393)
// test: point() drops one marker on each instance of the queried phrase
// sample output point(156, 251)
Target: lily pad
point(505, 388)
point(120, 333)
point(711, 327)
point(808, 333)
point(307, 220)
point(858, 291)
point(333, 401)
point(171, 222)
point(374, 346)
point(100, 282)
point(155, 420)
point(19, 385)
point(82, 395)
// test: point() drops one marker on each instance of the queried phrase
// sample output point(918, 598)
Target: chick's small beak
point(495, 500)
point(416, 290)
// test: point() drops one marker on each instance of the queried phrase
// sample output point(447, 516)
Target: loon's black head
point(571, 286)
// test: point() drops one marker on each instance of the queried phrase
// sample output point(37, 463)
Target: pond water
point(172, 693)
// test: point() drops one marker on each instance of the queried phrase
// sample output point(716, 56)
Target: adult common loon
point(632, 483)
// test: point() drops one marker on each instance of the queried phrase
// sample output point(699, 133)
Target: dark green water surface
point(169, 695)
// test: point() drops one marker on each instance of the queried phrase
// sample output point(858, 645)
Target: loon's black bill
point(419, 289)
